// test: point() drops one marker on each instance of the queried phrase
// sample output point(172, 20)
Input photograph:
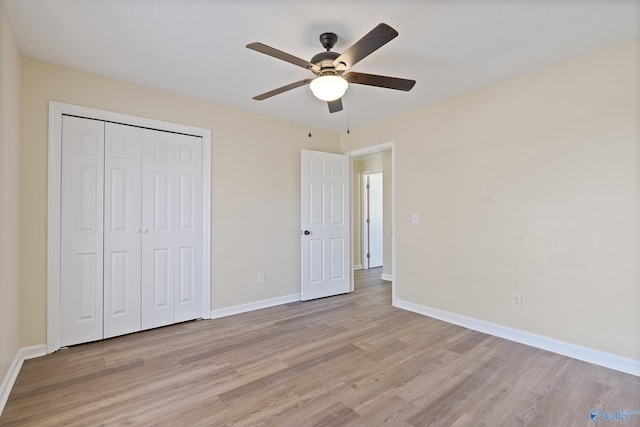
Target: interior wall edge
point(597, 357)
point(255, 305)
point(10, 214)
point(24, 353)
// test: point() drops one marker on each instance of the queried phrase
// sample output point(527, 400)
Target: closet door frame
point(56, 111)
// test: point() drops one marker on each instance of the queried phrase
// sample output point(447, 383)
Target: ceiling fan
point(331, 82)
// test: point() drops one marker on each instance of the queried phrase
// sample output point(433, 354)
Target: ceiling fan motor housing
point(324, 60)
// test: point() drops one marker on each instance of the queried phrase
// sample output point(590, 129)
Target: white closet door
point(81, 231)
point(188, 227)
point(158, 266)
point(122, 230)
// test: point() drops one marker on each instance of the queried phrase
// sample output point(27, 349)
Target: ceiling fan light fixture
point(329, 88)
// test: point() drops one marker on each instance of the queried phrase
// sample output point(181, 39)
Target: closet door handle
point(138, 230)
point(145, 230)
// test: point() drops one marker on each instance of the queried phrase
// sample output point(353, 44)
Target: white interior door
point(81, 231)
point(158, 266)
point(188, 229)
point(122, 230)
point(375, 220)
point(325, 238)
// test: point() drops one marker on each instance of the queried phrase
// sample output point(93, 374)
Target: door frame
point(390, 145)
point(56, 111)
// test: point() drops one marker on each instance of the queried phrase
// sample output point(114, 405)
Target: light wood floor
point(347, 360)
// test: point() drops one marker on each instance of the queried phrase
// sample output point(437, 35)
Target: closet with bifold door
point(130, 230)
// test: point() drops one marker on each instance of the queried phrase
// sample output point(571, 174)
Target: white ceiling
point(197, 47)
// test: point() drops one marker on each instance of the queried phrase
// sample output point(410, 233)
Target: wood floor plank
point(349, 360)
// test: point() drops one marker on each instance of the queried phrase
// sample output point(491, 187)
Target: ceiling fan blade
point(268, 50)
point(380, 81)
point(282, 89)
point(372, 41)
point(335, 106)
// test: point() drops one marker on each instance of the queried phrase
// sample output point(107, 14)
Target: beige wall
point(9, 194)
point(531, 185)
point(255, 185)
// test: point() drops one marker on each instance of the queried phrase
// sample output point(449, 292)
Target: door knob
point(145, 230)
point(138, 230)
point(306, 232)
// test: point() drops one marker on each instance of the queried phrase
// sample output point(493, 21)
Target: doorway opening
point(365, 163)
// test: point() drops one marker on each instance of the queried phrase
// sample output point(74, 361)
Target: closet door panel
point(158, 198)
point(122, 230)
point(188, 227)
point(81, 231)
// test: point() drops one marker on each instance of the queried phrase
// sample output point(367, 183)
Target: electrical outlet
point(516, 300)
point(260, 278)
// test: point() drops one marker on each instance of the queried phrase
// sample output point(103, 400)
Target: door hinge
point(367, 186)
point(368, 255)
point(367, 220)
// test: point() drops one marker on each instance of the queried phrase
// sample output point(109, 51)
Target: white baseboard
point(387, 277)
point(256, 305)
point(597, 357)
point(357, 267)
point(14, 369)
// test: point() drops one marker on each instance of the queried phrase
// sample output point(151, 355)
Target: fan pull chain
point(348, 114)
point(309, 112)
